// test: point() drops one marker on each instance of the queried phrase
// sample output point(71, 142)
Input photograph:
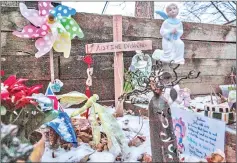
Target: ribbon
point(89, 78)
point(88, 60)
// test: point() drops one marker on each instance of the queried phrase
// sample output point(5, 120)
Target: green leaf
point(3, 110)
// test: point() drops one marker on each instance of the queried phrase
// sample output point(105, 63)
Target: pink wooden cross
point(117, 46)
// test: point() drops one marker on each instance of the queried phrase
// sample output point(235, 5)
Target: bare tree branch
point(232, 8)
point(196, 16)
point(201, 8)
point(220, 11)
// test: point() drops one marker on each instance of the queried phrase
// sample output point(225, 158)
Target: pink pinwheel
point(53, 26)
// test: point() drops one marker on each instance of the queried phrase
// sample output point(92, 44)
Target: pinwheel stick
point(51, 65)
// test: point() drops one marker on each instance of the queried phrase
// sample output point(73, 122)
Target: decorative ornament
point(171, 31)
point(50, 94)
point(180, 132)
point(140, 68)
point(141, 62)
point(56, 85)
point(88, 60)
point(53, 27)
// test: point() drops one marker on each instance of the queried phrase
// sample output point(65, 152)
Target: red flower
point(10, 80)
point(15, 93)
point(4, 94)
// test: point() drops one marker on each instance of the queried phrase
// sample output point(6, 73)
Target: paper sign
point(197, 136)
point(118, 46)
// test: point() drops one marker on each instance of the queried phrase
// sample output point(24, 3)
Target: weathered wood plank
point(201, 88)
point(28, 67)
point(136, 27)
point(12, 19)
point(118, 65)
point(118, 46)
point(10, 3)
point(12, 45)
point(15, 4)
point(103, 87)
point(202, 84)
point(72, 68)
point(199, 49)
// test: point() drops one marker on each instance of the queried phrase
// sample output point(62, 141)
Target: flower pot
point(38, 141)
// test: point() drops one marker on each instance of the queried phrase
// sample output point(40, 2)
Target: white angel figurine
point(171, 31)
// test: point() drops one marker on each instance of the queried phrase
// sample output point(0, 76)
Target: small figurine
point(217, 156)
point(185, 95)
point(171, 31)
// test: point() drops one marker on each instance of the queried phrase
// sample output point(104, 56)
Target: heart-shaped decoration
point(88, 59)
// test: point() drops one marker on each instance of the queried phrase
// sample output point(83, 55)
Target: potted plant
point(24, 107)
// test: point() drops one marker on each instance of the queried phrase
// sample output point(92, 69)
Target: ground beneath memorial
point(136, 126)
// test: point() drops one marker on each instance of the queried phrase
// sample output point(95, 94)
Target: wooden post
point(118, 47)
point(144, 9)
point(51, 65)
point(118, 65)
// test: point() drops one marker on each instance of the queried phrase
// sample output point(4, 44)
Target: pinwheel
point(53, 26)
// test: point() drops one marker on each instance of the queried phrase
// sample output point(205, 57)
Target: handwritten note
point(118, 46)
point(201, 139)
point(203, 135)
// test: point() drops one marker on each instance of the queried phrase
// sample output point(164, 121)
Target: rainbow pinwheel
point(53, 26)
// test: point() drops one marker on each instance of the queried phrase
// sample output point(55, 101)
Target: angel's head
point(172, 10)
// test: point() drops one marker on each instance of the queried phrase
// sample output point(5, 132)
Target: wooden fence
point(210, 49)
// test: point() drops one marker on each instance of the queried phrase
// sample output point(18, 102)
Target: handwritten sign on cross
point(118, 46)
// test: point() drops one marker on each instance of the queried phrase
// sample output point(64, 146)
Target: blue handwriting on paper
point(201, 138)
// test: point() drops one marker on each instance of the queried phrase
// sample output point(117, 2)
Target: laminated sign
point(199, 138)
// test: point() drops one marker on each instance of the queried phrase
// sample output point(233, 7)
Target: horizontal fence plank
point(118, 46)
point(28, 67)
point(10, 3)
point(73, 68)
point(199, 49)
point(201, 88)
point(136, 27)
point(103, 87)
point(12, 45)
